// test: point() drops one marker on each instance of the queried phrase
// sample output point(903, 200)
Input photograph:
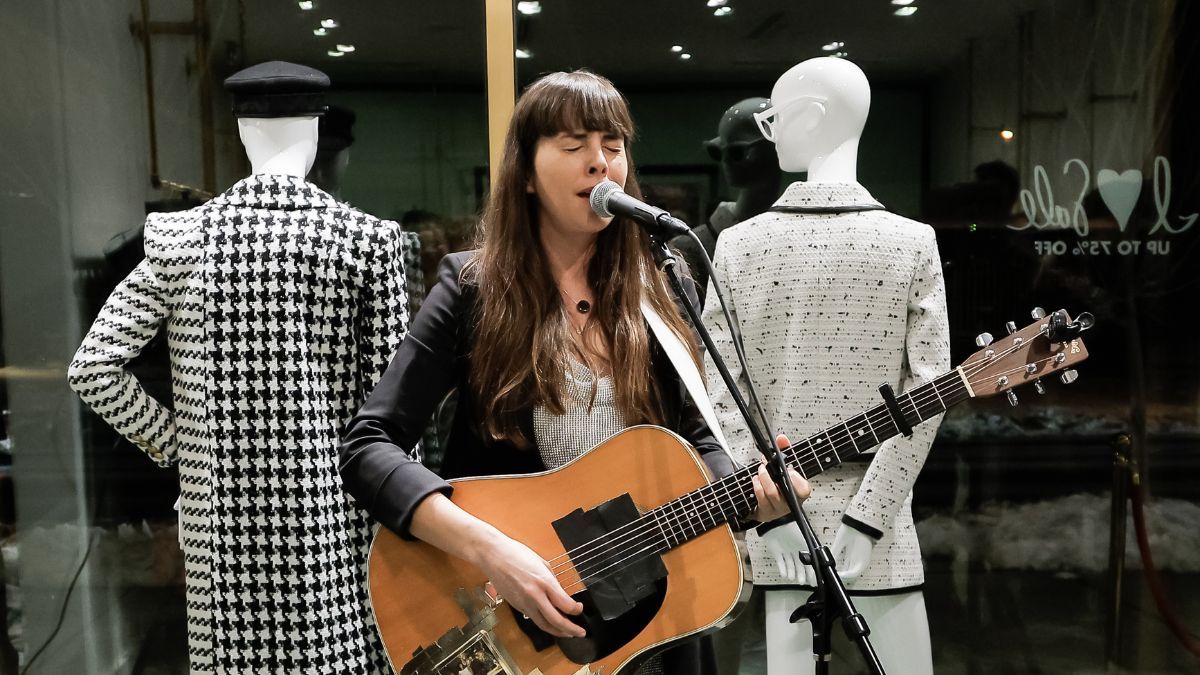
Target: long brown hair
point(522, 341)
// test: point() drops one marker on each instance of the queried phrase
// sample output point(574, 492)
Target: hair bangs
point(581, 101)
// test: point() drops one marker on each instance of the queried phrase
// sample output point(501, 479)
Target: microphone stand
point(830, 600)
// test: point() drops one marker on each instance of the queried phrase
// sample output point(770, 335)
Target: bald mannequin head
point(820, 108)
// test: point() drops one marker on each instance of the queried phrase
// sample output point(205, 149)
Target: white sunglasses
point(766, 119)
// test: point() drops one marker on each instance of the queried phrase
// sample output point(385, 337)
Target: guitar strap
point(686, 367)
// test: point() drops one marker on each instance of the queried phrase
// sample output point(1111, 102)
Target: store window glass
point(119, 111)
point(1050, 146)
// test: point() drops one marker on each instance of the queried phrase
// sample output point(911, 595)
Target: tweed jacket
point(282, 308)
point(835, 296)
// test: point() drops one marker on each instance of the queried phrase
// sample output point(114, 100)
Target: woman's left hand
point(771, 503)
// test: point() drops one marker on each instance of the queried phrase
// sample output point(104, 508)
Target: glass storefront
point(1050, 144)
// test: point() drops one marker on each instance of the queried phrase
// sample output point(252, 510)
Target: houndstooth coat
point(283, 308)
point(835, 296)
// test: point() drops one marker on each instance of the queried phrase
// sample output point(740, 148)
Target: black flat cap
point(278, 89)
point(335, 129)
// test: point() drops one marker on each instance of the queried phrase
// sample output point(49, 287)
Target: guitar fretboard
point(732, 496)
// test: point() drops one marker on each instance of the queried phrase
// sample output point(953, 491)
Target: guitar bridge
point(471, 647)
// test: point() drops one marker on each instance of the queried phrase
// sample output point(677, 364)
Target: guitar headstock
point(1049, 345)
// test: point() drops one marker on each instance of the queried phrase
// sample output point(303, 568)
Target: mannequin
point(750, 166)
point(283, 307)
point(333, 149)
point(282, 145)
point(863, 304)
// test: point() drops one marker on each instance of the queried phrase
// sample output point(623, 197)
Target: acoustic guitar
point(637, 531)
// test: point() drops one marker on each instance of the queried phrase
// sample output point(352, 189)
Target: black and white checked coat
point(283, 307)
point(835, 296)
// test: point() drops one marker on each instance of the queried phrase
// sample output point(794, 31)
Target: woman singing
point(542, 333)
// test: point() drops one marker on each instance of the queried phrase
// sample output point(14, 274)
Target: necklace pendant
point(583, 306)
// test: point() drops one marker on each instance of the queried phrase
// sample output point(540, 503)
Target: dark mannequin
point(750, 165)
point(334, 139)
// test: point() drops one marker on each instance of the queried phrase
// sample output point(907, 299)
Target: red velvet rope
point(1165, 608)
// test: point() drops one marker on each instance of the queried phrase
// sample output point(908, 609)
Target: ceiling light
point(906, 11)
point(717, 3)
point(306, 5)
point(320, 32)
point(345, 48)
point(677, 48)
point(529, 8)
point(524, 54)
point(334, 52)
point(1007, 134)
point(685, 56)
point(840, 55)
point(902, 2)
point(832, 46)
point(723, 11)
point(328, 23)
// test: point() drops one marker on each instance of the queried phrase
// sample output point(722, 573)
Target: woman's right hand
point(519, 575)
point(526, 582)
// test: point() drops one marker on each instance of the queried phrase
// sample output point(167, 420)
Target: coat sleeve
point(893, 471)
point(382, 318)
point(99, 372)
point(379, 462)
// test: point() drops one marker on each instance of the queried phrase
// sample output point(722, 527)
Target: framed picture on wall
point(687, 191)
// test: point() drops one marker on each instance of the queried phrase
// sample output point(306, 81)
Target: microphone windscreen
point(599, 197)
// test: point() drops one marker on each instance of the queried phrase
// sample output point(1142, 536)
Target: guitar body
point(437, 614)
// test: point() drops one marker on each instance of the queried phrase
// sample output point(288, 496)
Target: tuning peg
point(1012, 398)
point(1011, 327)
point(983, 339)
point(1038, 386)
point(1068, 376)
point(1038, 313)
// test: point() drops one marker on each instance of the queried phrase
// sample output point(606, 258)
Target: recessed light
point(717, 3)
point(840, 55)
point(524, 54)
point(723, 11)
point(320, 32)
point(833, 46)
point(677, 48)
point(306, 5)
point(906, 11)
point(346, 49)
point(902, 2)
point(334, 52)
point(1007, 134)
point(329, 23)
point(685, 56)
point(529, 8)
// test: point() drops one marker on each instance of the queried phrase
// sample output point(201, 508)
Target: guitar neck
point(732, 496)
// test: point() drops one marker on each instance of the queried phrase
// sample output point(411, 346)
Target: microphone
point(608, 199)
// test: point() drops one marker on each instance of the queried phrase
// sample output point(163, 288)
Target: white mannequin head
point(279, 145)
point(818, 110)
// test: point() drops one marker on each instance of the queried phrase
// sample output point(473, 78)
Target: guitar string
point(680, 513)
point(842, 434)
point(598, 574)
